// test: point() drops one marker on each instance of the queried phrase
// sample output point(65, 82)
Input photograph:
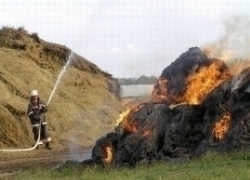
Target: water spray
point(60, 76)
point(50, 97)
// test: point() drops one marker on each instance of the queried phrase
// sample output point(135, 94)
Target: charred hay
point(163, 129)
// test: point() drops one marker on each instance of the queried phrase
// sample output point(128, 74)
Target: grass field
point(210, 166)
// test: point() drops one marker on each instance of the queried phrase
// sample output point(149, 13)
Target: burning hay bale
point(190, 78)
point(212, 114)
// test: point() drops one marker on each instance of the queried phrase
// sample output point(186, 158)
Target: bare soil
point(13, 162)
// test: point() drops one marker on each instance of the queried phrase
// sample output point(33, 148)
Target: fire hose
point(27, 149)
point(51, 95)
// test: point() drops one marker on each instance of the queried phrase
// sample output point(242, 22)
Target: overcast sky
point(127, 38)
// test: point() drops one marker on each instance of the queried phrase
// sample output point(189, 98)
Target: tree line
point(140, 80)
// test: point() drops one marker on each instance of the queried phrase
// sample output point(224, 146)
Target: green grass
point(210, 166)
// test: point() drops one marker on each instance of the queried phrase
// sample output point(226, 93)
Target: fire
point(108, 152)
point(229, 56)
point(160, 92)
point(197, 85)
point(124, 119)
point(220, 51)
point(203, 82)
point(122, 116)
point(222, 126)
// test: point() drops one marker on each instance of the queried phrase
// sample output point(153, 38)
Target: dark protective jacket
point(36, 111)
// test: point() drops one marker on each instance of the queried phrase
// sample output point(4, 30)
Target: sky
point(126, 38)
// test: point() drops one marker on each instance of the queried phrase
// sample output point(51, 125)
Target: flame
point(108, 154)
point(124, 119)
point(229, 56)
point(222, 126)
point(122, 116)
point(203, 82)
point(160, 92)
point(220, 51)
point(198, 85)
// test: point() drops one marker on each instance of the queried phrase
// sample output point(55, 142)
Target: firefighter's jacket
point(36, 111)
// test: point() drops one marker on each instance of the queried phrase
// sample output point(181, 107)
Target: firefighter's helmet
point(34, 93)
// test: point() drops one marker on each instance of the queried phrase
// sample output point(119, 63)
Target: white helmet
point(34, 92)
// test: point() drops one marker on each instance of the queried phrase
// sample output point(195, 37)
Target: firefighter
point(36, 112)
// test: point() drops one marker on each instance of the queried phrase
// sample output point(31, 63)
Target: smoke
point(88, 125)
point(74, 149)
point(235, 43)
point(75, 142)
point(237, 35)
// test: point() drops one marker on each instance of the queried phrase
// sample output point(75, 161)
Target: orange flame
point(198, 85)
point(160, 92)
point(203, 82)
point(222, 126)
point(124, 119)
point(108, 152)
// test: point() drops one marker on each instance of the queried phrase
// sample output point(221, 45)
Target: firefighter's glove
point(44, 108)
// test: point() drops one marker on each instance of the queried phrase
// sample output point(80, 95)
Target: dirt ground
point(13, 162)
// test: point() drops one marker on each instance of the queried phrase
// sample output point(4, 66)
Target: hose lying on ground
point(27, 149)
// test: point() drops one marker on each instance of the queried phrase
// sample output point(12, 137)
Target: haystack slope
point(84, 105)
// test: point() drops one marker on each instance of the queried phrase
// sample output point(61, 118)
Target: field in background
point(136, 90)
